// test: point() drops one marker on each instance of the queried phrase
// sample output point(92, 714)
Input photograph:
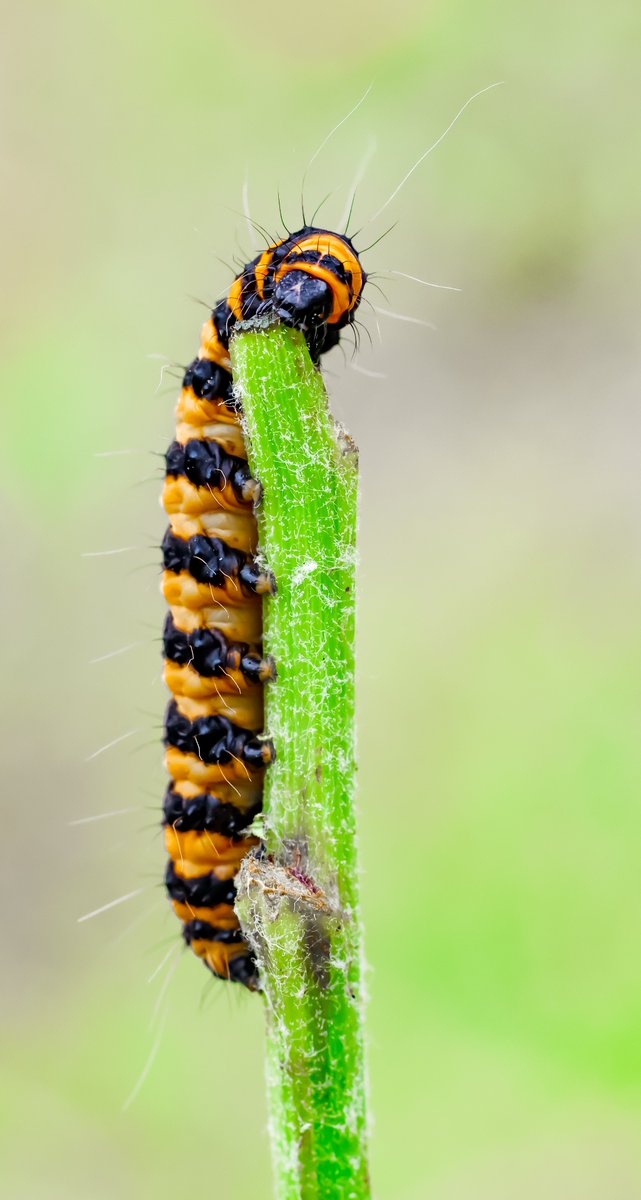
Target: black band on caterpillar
point(243, 969)
point(210, 560)
point(215, 739)
point(204, 891)
point(206, 813)
point(208, 381)
point(202, 931)
point(205, 464)
point(210, 654)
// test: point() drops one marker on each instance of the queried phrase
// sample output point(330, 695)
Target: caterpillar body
point(216, 752)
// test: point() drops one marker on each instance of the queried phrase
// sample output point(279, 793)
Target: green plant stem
point(299, 903)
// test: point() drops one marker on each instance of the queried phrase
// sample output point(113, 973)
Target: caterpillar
point(216, 751)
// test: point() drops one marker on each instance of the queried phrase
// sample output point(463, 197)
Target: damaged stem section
point(298, 903)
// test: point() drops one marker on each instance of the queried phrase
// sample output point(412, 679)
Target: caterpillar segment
point(216, 756)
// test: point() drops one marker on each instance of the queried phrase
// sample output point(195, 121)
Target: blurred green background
point(500, 584)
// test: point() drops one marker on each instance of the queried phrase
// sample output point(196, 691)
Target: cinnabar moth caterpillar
point(216, 753)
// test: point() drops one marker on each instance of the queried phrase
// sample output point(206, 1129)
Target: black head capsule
point(302, 300)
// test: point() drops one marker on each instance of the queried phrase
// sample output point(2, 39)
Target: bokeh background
point(500, 583)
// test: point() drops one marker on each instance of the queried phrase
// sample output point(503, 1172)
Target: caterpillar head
point(303, 301)
point(317, 280)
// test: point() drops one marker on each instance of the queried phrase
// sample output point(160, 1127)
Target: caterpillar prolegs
point(216, 751)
